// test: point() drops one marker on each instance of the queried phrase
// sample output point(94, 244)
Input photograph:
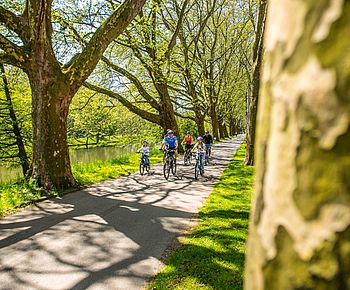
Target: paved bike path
point(108, 236)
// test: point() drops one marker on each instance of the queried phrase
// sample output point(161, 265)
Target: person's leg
point(147, 160)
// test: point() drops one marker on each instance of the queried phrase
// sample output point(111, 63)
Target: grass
point(21, 192)
point(98, 171)
point(212, 256)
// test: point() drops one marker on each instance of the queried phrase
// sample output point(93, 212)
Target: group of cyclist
point(170, 142)
point(202, 147)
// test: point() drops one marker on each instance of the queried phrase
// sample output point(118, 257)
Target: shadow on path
point(109, 236)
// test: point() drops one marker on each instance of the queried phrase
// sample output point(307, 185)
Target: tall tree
point(54, 85)
point(14, 131)
point(254, 88)
point(147, 47)
point(299, 236)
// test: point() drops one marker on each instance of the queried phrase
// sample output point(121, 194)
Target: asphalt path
point(109, 236)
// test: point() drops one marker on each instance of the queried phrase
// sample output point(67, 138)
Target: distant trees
point(162, 63)
point(299, 236)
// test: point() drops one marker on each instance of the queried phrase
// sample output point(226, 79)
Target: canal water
point(81, 156)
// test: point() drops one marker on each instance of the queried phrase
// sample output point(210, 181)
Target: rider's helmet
point(167, 130)
point(206, 132)
point(188, 132)
point(170, 132)
point(200, 138)
point(145, 141)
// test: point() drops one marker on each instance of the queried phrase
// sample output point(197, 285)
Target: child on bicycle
point(200, 151)
point(145, 152)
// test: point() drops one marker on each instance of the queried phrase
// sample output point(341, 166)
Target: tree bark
point(253, 97)
point(233, 127)
point(200, 124)
point(50, 103)
point(221, 129)
point(226, 134)
point(22, 153)
point(214, 120)
point(299, 234)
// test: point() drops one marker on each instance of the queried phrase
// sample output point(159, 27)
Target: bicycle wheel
point(196, 170)
point(173, 167)
point(206, 162)
point(142, 168)
point(166, 170)
point(201, 170)
point(186, 158)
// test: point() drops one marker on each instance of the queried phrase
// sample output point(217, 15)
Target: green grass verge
point(212, 256)
point(21, 192)
point(98, 171)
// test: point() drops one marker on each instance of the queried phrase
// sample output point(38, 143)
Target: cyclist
point(170, 141)
point(200, 151)
point(166, 134)
point(188, 140)
point(145, 152)
point(208, 142)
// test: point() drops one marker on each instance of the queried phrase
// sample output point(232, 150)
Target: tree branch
point(12, 22)
point(12, 53)
point(114, 25)
point(135, 81)
point(176, 32)
point(132, 108)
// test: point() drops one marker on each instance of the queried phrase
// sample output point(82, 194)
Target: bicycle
point(144, 164)
point(188, 156)
point(198, 168)
point(169, 163)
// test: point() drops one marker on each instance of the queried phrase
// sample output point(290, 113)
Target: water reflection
point(81, 156)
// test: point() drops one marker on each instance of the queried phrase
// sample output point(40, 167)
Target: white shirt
point(145, 150)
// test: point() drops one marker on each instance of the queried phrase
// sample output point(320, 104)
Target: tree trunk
point(168, 116)
point(226, 134)
point(254, 96)
point(214, 121)
point(233, 127)
point(299, 235)
point(22, 154)
point(200, 124)
point(221, 129)
point(50, 103)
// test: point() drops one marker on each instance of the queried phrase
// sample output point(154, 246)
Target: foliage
point(212, 256)
point(21, 103)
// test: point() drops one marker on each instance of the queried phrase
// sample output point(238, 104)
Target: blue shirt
point(170, 142)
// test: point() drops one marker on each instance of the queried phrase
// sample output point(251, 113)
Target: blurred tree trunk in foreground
point(299, 235)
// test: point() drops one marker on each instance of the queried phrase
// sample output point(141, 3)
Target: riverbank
point(19, 193)
point(212, 256)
